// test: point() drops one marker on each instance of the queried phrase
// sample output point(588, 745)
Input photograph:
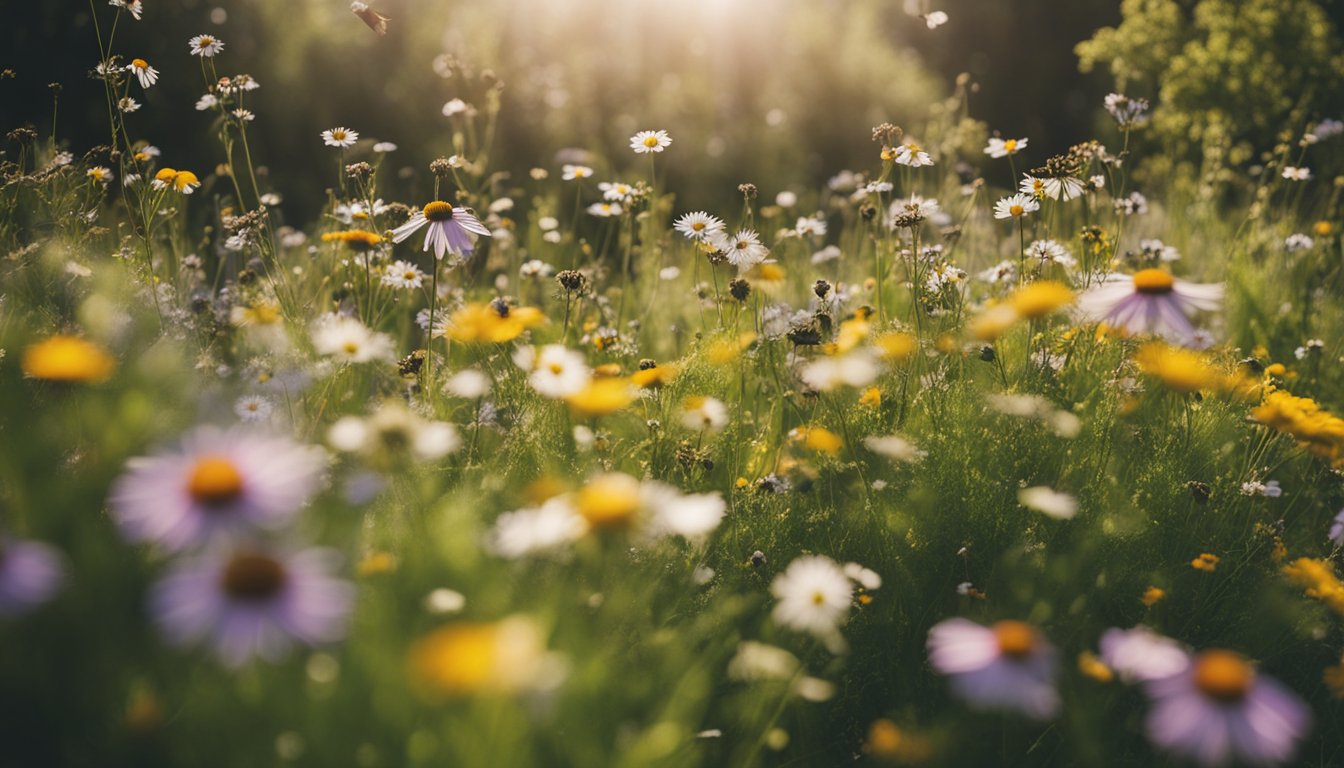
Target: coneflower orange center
point(1153, 281)
point(439, 211)
point(214, 481)
point(139, 63)
point(1016, 210)
point(1016, 639)
point(1223, 675)
point(252, 577)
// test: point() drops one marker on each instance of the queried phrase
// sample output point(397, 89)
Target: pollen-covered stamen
point(1016, 639)
point(1153, 281)
point(1223, 675)
point(253, 577)
point(439, 211)
point(214, 481)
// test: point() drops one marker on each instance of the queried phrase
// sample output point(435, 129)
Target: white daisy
point(572, 172)
point(605, 210)
point(146, 74)
point(556, 371)
point(814, 596)
point(645, 142)
point(348, 340)
point(1015, 206)
point(403, 275)
point(744, 249)
point(205, 46)
point(913, 155)
point(699, 226)
point(1004, 147)
point(253, 408)
point(340, 137)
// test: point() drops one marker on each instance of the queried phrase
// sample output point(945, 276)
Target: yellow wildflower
point(486, 322)
point(1180, 370)
point(1317, 578)
point(1090, 665)
point(1152, 596)
point(1205, 562)
point(601, 397)
point(68, 359)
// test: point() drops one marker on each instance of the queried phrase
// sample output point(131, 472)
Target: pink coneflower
point(1007, 666)
point(1150, 301)
point(249, 603)
point(214, 482)
point(30, 573)
point(1219, 710)
point(450, 229)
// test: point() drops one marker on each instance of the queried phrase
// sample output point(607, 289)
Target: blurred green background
point(777, 92)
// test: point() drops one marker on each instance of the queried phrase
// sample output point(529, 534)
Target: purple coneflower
point(1219, 710)
point(1150, 301)
point(247, 603)
point(1008, 666)
point(214, 481)
point(450, 229)
point(30, 573)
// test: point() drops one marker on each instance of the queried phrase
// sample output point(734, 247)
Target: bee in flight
point(376, 21)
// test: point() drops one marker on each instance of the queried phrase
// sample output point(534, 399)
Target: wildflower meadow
point(718, 383)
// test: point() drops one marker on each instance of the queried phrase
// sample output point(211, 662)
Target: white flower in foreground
point(1015, 206)
point(392, 429)
point(536, 530)
point(935, 19)
point(913, 155)
point(1048, 502)
point(144, 73)
point(894, 447)
point(1004, 147)
point(556, 371)
point(468, 384)
point(348, 340)
point(856, 369)
point(645, 142)
point(743, 249)
point(707, 414)
point(814, 596)
point(699, 226)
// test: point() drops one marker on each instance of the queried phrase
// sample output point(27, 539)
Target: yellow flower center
point(1223, 675)
point(165, 175)
point(1015, 210)
point(818, 598)
point(650, 141)
point(1010, 145)
point(206, 41)
point(252, 577)
point(350, 347)
point(184, 179)
point(214, 481)
point(698, 226)
point(1016, 639)
point(439, 211)
point(139, 63)
point(609, 501)
point(1153, 281)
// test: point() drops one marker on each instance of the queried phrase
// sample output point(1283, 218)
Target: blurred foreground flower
point(68, 359)
point(1006, 666)
point(1150, 301)
point(30, 573)
point(506, 657)
point(1219, 710)
point(815, 594)
point(249, 603)
point(216, 481)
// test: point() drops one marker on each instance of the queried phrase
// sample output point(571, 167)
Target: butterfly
point(376, 21)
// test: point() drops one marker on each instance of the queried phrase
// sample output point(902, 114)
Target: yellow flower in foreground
point(609, 501)
point(850, 334)
point(601, 397)
point(358, 239)
point(818, 439)
point(896, 347)
point(506, 656)
point(1317, 578)
point(1205, 562)
point(725, 351)
point(871, 397)
point(67, 358)
point(993, 322)
point(655, 376)
point(492, 323)
point(1041, 298)
point(1302, 417)
point(1152, 596)
point(1090, 665)
point(1179, 370)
